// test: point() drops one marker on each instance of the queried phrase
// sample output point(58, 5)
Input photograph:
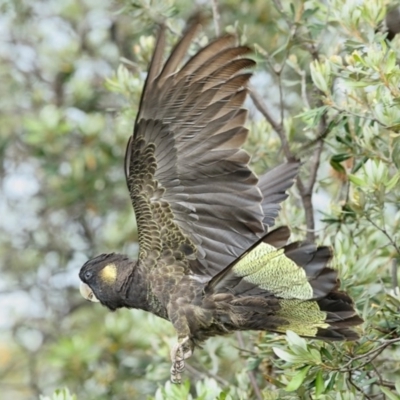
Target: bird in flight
point(208, 261)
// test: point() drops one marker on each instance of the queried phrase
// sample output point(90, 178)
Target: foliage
point(60, 395)
point(326, 90)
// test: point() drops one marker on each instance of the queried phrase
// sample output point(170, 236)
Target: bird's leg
point(182, 350)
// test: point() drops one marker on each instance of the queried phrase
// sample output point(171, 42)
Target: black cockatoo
point(208, 261)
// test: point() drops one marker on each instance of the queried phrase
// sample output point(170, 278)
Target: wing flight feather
point(191, 187)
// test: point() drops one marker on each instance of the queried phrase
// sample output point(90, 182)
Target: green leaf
point(60, 394)
point(357, 58)
point(357, 180)
point(313, 116)
point(222, 396)
point(319, 384)
point(298, 379)
point(295, 340)
point(331, 383)
point(389, 394)
point(341, 157)
point(392, 182)
point(357, 83)
point(319, 75)
point(396, 153)
point(326, 353)
point(253, 363)
point(359, 164)
point(391, 62)
point(315, 356)
point(292, 9)
point(337, 166)
point(290, 83)
point(284, 355)
point(309, 12)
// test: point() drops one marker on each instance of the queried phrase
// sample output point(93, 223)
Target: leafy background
point(326, 90)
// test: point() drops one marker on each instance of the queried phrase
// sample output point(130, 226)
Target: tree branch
point(305, 190)
point(277, 127)
point(251, 375)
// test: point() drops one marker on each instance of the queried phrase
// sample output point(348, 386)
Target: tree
point(325, 90)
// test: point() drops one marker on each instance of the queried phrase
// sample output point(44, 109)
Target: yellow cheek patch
point(109, 274)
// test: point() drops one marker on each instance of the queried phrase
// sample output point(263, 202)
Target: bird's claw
point(179, 352)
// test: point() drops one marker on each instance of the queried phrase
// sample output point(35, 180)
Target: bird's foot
point(179, 353)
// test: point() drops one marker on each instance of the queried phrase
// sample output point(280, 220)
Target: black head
point(104, 278)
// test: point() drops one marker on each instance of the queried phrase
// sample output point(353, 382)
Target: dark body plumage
point(207, 260)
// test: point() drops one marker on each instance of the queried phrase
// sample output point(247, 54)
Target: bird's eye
point(88, 275)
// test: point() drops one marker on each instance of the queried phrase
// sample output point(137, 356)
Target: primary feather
point(207, 261)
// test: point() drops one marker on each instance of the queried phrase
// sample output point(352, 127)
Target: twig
point(87, 231)
point(315, 165)
point(306, 198)
point(281, 104)
point(377, 374)
point(322, 130)
point(251, 375)
point(384, 231)
point(303, 89)
point(278, 128)
point(33, 379)
point(216, 16)
point(278, 6)
point(378, 350)
point(382, 382)
point(388, 384)
point(357, 115)
point(204, 374)
point(305, 190)
point(303, 150)
point(350, 379)
point(395, 282)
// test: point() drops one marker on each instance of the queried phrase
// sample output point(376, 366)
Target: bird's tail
point(278, 287)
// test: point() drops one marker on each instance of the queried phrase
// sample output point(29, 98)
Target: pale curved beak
point(87, 293)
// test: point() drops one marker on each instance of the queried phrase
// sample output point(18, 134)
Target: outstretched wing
point(192, 190)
